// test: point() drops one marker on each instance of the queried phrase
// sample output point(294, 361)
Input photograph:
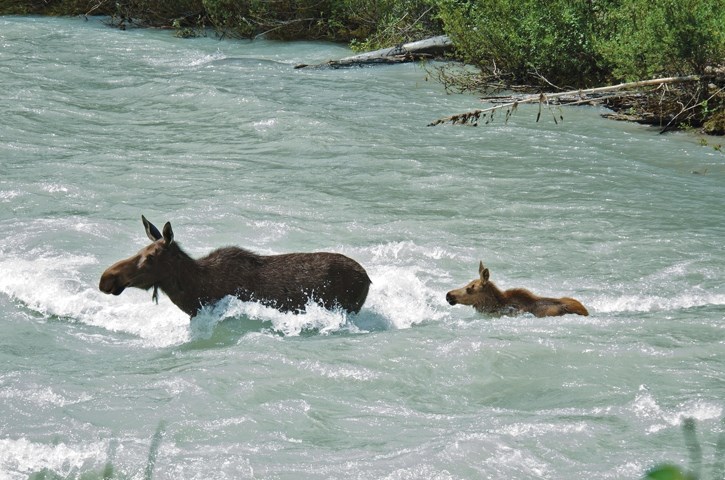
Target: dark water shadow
point(210, 333)
point(370, 321)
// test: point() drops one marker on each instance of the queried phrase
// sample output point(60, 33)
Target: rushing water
point(233, 146)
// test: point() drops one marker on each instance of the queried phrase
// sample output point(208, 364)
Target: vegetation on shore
point(555, 45)
point(530, 45)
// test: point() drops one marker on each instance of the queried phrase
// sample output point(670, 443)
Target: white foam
point(20, 458)
point(517, 458)
point(263, 125)
point(399, 295)
point(645, 407)
point(10, 194)
point(54, 286)
point(40, 396)
point(395, 250)
point(314, 318)
point(531, 430)
point(655, 303)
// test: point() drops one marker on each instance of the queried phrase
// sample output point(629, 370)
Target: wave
point(27, 458)
point(646, 408)
point(60, 287)
point(655, 303)
point(55, 287)
point(403, 294)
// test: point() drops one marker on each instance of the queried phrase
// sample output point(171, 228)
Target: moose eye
point(469, 290)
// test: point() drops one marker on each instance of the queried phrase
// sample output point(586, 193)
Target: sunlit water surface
point(235, 147)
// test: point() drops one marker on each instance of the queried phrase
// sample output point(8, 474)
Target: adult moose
point(286, 282)
point(486, 297)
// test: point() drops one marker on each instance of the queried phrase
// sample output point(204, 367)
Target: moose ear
point(483, 271)
point(151, 230)
point(168, 234)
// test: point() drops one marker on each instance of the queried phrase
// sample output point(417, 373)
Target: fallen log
point(577, 97)
point(434, 47)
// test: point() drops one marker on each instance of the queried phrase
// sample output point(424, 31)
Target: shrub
point(643, 39)
point(535, 41)
point(370, 23)
point(373, 24)
point(279, 19)
point(158, 13)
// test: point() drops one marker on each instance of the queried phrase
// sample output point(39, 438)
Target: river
point(233, 146)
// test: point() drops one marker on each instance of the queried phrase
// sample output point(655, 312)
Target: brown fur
point(486, 297)
point(286, 282)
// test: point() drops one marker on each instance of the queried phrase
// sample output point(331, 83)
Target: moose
point(486, 297)
point(287, 282)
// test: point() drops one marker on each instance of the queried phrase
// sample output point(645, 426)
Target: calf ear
point(483, 271)
point(151, 230)
point(168, 234)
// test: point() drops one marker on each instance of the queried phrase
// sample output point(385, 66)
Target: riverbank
point(530, 45)
point(698, 105)
point(666, 103)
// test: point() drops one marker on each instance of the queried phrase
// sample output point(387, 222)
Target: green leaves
point(580, 44)
point(668, 472)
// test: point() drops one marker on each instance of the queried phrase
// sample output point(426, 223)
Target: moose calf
point(486, 297)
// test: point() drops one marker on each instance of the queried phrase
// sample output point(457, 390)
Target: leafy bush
point(642, 39)
point(373, 24)
point(280, 19)
point(158, 13)
point(369, 23)
point(536, 41)
point(53, 7)
point(582, 43)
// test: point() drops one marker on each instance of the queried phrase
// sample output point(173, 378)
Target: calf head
point(144, 270)
point(472, 293)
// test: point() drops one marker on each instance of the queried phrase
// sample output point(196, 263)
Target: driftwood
point(433, 47)
point(574, 97)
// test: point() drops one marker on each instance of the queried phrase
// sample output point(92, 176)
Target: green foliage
point(158, 13)
point(531, 41)
point(668, 472)
point(480, 38)
point(373, 24)
point(280, 19)
point(231, 17)
point(643, 39)
point(52, 7)
point(369, 23)
point(586, 42)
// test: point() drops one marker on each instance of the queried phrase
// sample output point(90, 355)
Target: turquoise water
point(234, 147)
